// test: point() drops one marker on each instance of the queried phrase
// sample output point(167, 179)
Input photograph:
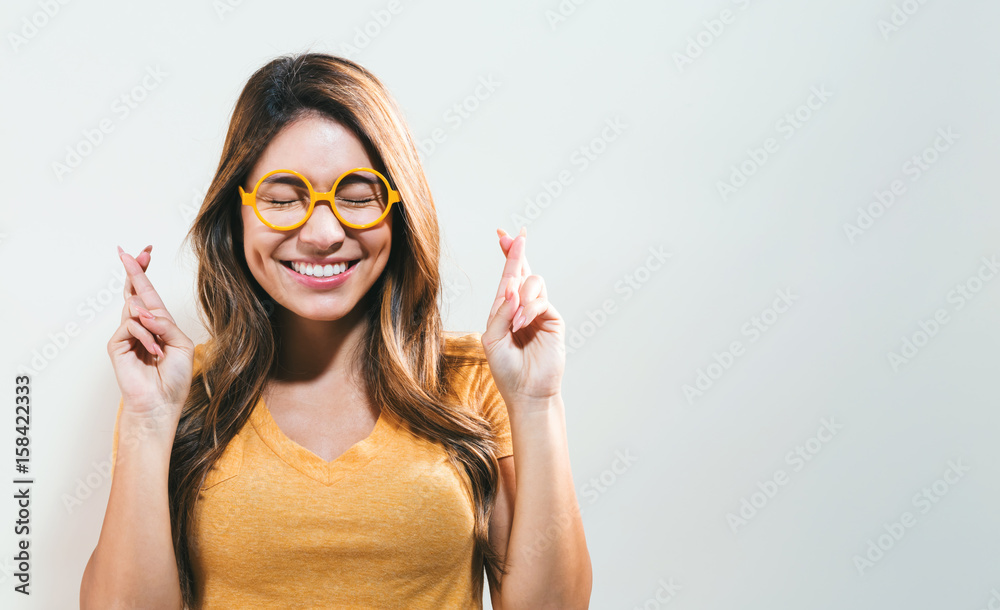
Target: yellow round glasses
point(283, 199)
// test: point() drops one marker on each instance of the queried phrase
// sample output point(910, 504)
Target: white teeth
point(319, 270)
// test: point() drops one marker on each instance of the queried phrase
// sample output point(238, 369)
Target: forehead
point(317, 147)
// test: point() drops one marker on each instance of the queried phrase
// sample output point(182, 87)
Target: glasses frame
point(250, 198)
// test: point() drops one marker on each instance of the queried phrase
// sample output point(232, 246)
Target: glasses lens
point(283, 199)
point(361, 197)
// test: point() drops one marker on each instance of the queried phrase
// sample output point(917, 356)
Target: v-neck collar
point(356, 457)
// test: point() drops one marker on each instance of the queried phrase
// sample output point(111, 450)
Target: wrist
point(532, 407)
point(158, 425)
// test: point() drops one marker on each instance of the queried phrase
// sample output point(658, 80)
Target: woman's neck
point(319, 351)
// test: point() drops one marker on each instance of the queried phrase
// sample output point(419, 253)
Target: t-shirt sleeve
point(494, 409)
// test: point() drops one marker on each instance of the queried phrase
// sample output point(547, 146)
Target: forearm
point(548, 561)
point(134, 563)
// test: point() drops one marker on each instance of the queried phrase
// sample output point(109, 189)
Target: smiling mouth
point(310, 270)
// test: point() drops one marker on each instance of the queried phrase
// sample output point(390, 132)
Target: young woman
point(330, 446)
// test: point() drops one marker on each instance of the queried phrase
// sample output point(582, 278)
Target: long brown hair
point(405, 354)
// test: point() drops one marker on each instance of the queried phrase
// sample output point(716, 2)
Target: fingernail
point(159, 352)
point(144, 313)
point(120, 251)
point(148, 248)
point(524, 231)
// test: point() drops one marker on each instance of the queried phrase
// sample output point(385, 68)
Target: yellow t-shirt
point(387, 524)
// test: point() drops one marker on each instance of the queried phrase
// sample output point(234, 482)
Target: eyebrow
point(366, 177)
point(293, 180)
point(284, 179)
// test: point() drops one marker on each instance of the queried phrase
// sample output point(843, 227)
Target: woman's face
point(320, 149)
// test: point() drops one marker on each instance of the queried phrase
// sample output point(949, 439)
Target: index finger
point(142, 286)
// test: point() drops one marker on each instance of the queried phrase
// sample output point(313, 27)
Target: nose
point(323, 229)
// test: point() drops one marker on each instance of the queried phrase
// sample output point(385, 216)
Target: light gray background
point(657, 524)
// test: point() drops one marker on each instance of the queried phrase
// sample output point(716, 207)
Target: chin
point(321, 314)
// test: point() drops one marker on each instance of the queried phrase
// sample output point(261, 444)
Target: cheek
point(247, 219)
point(383, 244)
point(258, 242)
point(246, 236)
point(388, 233)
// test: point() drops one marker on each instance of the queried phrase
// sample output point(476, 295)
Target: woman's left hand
point(524, 341)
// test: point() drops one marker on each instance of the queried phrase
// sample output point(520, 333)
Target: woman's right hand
point(152, 358)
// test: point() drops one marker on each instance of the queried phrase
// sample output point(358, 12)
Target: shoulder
point(472, 383)
point(464, 362)
point(202, 352)
point(467, 345)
